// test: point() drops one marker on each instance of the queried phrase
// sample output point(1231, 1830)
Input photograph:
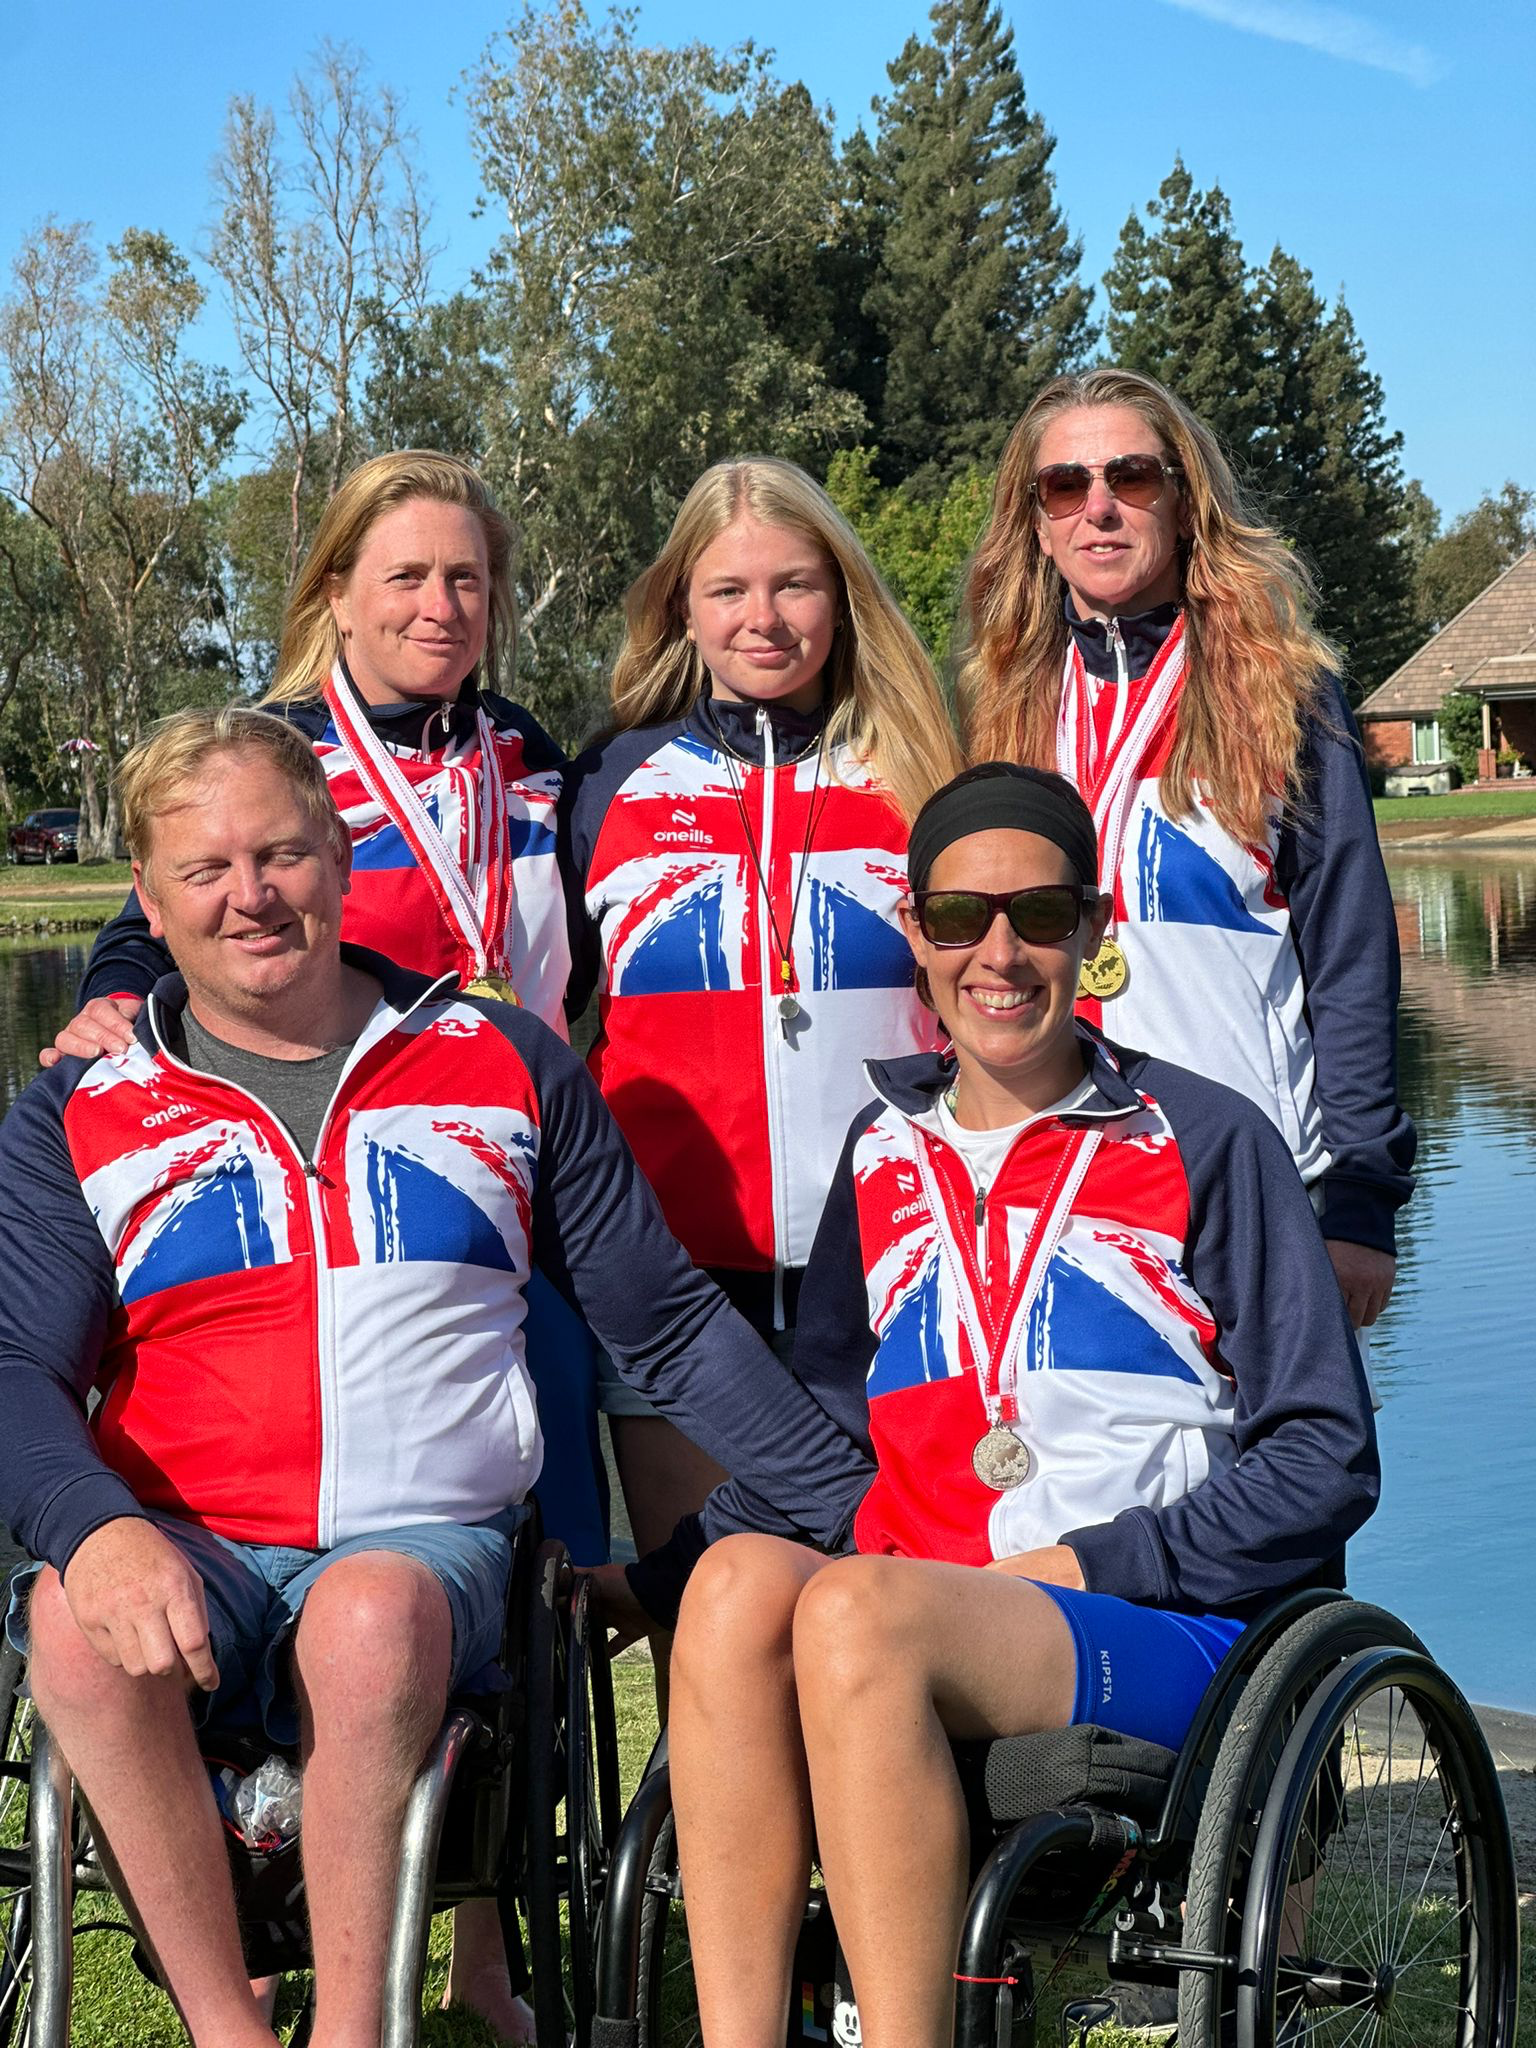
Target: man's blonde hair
point(163, 770)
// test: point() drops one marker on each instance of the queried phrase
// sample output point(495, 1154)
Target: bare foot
point(510, 2018)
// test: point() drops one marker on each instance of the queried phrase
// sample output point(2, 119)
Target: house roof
point(1489, 649)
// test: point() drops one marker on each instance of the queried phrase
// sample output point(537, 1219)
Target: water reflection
point(1451, 1546)
point(1455, 1357)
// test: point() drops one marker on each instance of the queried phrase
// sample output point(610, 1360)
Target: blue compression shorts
point(1141, 1670)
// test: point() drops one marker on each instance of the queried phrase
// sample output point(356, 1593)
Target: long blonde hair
point(1255, 659)
point(311, 641)
point(882, 700)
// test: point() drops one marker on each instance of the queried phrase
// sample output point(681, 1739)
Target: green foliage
point(975, 289)
point(919, 545)
point(1181, 309)
point(1461, 727)
point(1458, 565)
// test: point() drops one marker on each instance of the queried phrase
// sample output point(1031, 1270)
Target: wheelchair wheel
point(1273, 1698)
point(591, 1794)
point(15, 1855)
point(1382, 1903)
point(545, 1669)
point(669, 2013)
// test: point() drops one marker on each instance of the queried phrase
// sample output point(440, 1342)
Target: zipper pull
point(312, 1172)
point(981, 1207)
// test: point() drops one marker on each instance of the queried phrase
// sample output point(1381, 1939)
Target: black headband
point(1002, 796)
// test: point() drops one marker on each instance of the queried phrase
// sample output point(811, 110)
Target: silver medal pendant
point(1000, 1460)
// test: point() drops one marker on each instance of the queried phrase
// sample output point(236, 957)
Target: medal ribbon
point(995, 1341)
point(1108, 786)
point(477, 915)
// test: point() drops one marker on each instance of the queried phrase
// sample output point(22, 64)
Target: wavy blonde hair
point(1255, 659)
point(311, 641)
point(882, 699)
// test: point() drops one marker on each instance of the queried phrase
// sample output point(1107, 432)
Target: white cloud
point(1331, 31)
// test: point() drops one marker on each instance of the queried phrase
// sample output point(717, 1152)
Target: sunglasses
point(1140, 480)
point(1041, 917)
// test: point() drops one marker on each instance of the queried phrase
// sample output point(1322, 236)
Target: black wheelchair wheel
point(591, 1794)
point(542, 1875)
point(669, 2012)
point(15, 1854)
point(1382, 1903)
point(1273, 1698)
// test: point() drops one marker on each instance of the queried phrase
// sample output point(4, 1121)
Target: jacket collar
point(714, 719)
point(403, 991)
point(399, 725)
point(912, 1085)
point(1141, 635)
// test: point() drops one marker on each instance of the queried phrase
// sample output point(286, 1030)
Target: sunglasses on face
point(1062, 488)
point(1041, 917)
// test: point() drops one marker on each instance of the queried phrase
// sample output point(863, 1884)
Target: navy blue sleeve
point(834, 1345)
point(1307, 1474)
point(1331, 870)
point(599, 1236)
point(57, 1291)
point(595, 779)
point(125, 960)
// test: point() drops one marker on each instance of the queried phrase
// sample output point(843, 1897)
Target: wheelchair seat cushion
point(1022, 1775)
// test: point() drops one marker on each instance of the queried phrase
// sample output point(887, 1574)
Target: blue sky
point(1388, 145)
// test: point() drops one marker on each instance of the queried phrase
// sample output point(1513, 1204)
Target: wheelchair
point(518, 1800)
point(1326, 1860)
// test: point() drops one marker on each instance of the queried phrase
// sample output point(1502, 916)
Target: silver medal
point(1000, 1460)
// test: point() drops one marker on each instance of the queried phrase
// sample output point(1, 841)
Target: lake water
point(1453, 1546)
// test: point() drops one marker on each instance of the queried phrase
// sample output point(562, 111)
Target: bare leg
point(478, 1976)
point(372, 1655)
point(131, 1745)
point(739, 1785)
point(892, 1657)
point(665, 1476)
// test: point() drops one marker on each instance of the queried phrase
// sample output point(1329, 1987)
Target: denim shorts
point(255, 1591)
point(1142, 1671)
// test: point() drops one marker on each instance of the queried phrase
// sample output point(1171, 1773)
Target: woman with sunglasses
point(1073, 1301)
point(736, 843)
point(1134, 625)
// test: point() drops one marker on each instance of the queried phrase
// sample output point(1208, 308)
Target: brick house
point(1487, 650)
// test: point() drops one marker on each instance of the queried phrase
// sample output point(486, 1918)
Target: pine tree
point(978, 296)
point(1331, 474)
point(1181, 310)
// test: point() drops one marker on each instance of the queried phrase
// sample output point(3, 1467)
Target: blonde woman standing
point(735, 847)
point(1133, 624)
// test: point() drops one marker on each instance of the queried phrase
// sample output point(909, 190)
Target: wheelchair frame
point(1197, 1898)
point(518, 1799)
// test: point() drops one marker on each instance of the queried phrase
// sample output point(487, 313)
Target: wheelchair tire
point(1382, 1902)
point(591, 1795)
point(545, 1677)
point(1271, 1702)
point(669, 2012)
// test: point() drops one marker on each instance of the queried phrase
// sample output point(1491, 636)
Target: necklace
point(788, 1006)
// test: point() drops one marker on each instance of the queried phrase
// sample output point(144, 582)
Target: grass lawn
point(66, 892)
point(1476, 803)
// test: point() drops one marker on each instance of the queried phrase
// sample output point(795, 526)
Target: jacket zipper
point(772, 1036)
point(1122, 687)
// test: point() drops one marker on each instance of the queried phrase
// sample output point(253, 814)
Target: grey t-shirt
point(298, 1092)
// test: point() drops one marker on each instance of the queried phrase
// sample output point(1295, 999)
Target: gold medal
point(1000, 1460)
point(1106, 974)
point(497, 988)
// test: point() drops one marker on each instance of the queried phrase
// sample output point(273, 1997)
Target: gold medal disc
point(1000, 1460)
point(497, 988)
point(1106, 974)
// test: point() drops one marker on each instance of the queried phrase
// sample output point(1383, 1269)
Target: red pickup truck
point(44, 835)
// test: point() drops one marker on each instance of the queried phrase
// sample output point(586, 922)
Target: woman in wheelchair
point(1075, 1303)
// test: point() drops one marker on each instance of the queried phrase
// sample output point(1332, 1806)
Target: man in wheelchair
point(285, 1237)
point(1077, 1305)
